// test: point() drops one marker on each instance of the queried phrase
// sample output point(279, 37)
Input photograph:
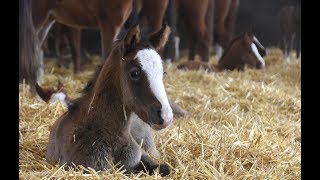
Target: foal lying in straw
point(245, 49)
point(139, 130)
point(95, 131)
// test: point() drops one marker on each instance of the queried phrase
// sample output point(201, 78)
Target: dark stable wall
point(263, 15)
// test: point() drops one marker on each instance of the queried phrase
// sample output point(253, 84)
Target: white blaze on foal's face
point(257, 54)
point(151, 64)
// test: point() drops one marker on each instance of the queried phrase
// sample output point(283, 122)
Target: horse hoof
point(164, 169)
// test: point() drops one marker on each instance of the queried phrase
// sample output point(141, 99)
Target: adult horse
point(106, 15)
point(149, 14)
point(94, 133)
point(290, 22)
point(245, 49)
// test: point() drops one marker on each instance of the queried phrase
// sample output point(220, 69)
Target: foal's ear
point(132, 38)
point(159, 39)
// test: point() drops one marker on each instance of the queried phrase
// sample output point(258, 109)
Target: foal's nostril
point(160, 118)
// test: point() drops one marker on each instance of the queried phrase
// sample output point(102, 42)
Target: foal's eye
point(135, 74)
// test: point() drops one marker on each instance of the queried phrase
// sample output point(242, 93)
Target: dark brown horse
point(244, 49)
point(198, 18)
point(290, 22)
point(96, 129)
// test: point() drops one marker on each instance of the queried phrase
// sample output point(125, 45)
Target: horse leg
point(45, 48)
point(298, 48)
point(206, 33)
point(285, 45)
point(147, 164)
point(202, 39)
point(28, 52)
point(140, 131)
point(204, 47)
point(171, 49)
point(75, 46)
point(108, 33)
point(219, 50)
point(290, 46)
point(231, 19)
point(56, 33)
point(192, 48)
point(42, 34)
point(44, 29)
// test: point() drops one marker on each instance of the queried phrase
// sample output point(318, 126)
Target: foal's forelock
point(257, 54)
point(151, 64)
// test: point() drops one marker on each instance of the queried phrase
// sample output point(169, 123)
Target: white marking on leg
point(40, 70)
point(219, 51)
point(257, 54)
point(168, 61)
point(288, 59)
point(176, 46)
point(151, 63)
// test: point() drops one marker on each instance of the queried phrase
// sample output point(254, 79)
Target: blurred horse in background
point(197, 16)
point(30, 64)
point(290, 23)
point(37, 17)
point(67, 45)
point(149, 15)
point(245, 49)
point(225, 16)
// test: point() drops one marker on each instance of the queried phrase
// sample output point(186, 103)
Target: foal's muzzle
point(159, 120)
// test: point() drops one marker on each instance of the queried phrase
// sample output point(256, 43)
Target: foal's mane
point(230, 44)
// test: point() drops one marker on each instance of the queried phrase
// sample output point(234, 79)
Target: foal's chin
point(158, 127)
point(161, 126)
point(154, 119)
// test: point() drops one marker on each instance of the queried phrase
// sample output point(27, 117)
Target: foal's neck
point(104, 107)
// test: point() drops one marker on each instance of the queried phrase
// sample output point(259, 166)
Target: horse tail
point(170, 50)
point(209, 20)
point(28, 54)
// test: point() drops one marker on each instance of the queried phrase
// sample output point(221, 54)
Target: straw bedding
point(243, 125)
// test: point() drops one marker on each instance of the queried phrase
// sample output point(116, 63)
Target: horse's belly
point(77, 17)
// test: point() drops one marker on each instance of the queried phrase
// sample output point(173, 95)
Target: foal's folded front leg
point(148, 165)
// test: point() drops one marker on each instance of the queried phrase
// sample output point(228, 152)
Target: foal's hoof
point(164, 169)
